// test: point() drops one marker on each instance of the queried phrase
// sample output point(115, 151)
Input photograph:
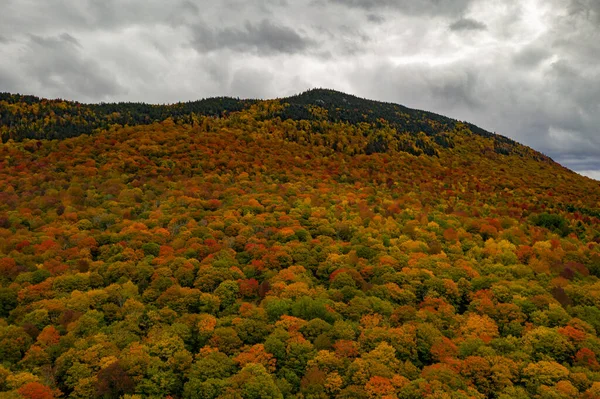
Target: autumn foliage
point(249, 255)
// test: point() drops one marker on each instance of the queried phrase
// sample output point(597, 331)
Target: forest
point(318, 246)
point(34, 118)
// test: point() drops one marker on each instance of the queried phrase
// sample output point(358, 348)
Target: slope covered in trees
point(31, 117)
point(252, 255)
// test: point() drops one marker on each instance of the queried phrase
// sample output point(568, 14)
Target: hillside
point(316, 246)
point(24, 117)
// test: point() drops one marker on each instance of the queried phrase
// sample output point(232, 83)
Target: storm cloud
point(60, 67)
point(467, 24)
point(526, 69)
point(264, 38)
point(422, 7)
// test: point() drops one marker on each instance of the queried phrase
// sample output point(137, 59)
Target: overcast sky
point(526, 69)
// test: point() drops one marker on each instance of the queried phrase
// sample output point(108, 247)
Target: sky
point(526, 69)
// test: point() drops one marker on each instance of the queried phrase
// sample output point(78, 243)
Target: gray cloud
point(531, 56)
point(264, 38)
point(422, 7)
point(46, 17)
point(588, 9)
point(65, 37)
point(251, 82)
point(375, 18)
point(467, 24)
point(56, 63)
point(9, 81)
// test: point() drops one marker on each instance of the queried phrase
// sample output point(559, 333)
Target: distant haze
point(526, 69)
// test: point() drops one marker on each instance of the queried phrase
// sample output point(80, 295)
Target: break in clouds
point(524, 69)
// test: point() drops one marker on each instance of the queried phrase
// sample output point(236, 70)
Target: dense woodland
point(30, 117)
point(284, 249)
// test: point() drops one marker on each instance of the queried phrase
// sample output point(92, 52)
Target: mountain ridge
point(340, 107)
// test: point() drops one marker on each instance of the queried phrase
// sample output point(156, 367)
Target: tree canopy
point(252, 254)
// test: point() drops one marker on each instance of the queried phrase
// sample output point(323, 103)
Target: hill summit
point(31, 117)
point(314, 246)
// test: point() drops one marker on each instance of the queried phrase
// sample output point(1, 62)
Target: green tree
point(254, 382)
